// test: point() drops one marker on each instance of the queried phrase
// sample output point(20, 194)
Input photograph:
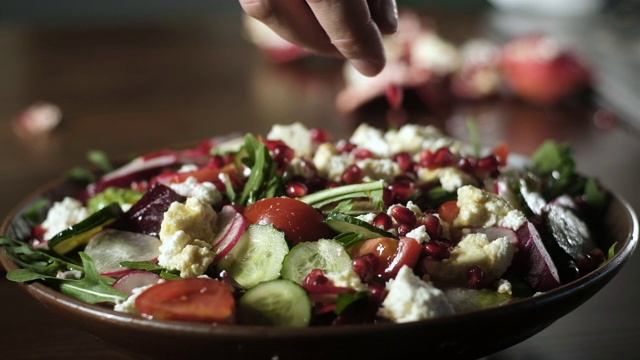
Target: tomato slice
point(408, 253)
point(448, 211)
point(501, 151)
point(298, 220)
point(191, 299)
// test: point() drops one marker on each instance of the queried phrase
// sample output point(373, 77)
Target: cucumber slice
point(343, 223)
point(80, 233)
point(257, 257)
point(327, 255)
point(277, 302)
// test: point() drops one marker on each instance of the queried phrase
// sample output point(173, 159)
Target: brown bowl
point(464, 336)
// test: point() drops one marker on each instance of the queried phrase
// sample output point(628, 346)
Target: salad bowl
point(468, 335)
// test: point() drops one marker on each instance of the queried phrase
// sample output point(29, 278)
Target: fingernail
point(367, 67)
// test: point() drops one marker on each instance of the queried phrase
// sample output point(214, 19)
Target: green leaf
point(373, 191)
point(474, 137)
point(345, 299)
point(26, 275)
point(93, 288)
point(612, 251)
point(263, 180)
point(349, 239)
point(594, 194)
point(36, 260)
point(100, 159)
point(553, 157)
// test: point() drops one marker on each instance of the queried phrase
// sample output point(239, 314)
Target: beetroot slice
point(540, 272)
point(145, 216)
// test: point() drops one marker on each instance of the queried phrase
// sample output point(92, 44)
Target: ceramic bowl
point(465, 336)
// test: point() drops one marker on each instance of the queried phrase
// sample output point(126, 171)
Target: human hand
point(349, 28)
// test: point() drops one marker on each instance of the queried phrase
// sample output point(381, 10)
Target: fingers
point(351, 28)
point(293, 20)
point(352, 31)
point(385, 15)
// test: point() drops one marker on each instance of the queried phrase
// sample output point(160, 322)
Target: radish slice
point(232, 225)
point(135, 279)
point(110, 247)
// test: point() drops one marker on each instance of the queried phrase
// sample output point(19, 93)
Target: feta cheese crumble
point(62, 215)
point(494, 257)
point(481, 208)
point(186, 232)
point(411, 299)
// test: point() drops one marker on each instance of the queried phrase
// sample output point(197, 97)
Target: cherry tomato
point(190, 299)
point(501, 151)
point(448, 211)
point(299, 221)
point(392, 254)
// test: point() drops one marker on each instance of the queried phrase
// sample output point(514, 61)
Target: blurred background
point(128, 76)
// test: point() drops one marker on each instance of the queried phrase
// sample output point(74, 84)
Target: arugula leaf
point(263, 180)
point(594, 194)
point(100, 159)
point(35, 260)
point(37, 265)
point(349, 239)
point(93, 288)
point(354, 193)
point(551, 156)
point(555, 162)
point(345, 299)
point(474, 137)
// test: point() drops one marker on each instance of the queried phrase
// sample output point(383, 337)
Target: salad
point(296, 228)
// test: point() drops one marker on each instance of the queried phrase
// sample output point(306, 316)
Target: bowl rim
point(44, 293)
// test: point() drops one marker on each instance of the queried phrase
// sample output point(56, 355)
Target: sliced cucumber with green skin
point(257, 256)
point(343, 223)
point(326, 255)
point(80, 233)
point(277, 302)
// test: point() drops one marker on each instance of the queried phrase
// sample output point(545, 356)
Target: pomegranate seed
point(403, 229)
point(436, 250)
point(404, 161)
point(272, 144)
point(489, 165)
point(378, 292)
point(403, 216)
point(346, 147)
point(320, 135)
point(363, 154)
point(296, 189)
point(475, 275)
point(467, 164)
point(217, 162)
point(426, 158)
point(383, 221)
point(352, 174)
point(316, 277)
point(365, 266)
point(590, 261)
point(402, 190)
point(433, 225)
point(443, 157)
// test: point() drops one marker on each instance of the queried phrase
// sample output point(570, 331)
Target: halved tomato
point(298, 220)
point(448, 211)
point(191, 299)
point(391, 253)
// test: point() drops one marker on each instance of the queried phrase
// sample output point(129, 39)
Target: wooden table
point(134, 86)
